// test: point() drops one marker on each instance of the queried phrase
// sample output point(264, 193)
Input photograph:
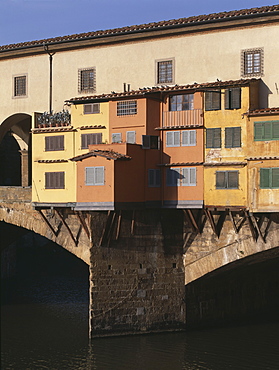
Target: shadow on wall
point(10, 161)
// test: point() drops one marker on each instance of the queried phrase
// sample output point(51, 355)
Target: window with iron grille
point(181, 102)
point(131, 137)
point(90, 139)
point(53, 143)
point(172, 138)
point(213, 100)
point(116, 137)
point(164, 72)
point(188, 137)
point(266, 130)
point(233, 98)
point(20, 88)
point(87, 80)
point(127, 108)
point(154, 178)
point(252, 62)
point(95, 175)
point(91, 108)
point(55, 180)
point(269, 178)
point(227, 179)
point(213, 138)
point(150, 142)
point(232, 137)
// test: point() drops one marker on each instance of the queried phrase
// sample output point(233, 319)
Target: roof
point(263, 112)
point(109, 154)
point(174, 23)
point(143, 92)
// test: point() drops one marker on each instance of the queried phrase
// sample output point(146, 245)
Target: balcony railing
point(58, 119)
point(192, 117)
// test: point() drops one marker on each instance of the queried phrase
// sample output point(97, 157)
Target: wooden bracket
point(251, 225)
point(211, 221)
point(47, 222)
point(67, 227)
point(192, 220)
point(83, 223)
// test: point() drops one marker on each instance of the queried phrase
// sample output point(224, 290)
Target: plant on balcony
point(62, 118)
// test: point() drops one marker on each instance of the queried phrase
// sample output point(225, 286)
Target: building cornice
point(203, 23)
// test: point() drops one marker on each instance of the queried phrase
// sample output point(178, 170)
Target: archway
point(15, 150)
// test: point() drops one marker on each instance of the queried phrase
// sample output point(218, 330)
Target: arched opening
point(15, 151)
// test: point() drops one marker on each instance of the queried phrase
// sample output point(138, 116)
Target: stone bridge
point(141, 260)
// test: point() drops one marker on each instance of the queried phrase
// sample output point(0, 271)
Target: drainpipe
point(50, 76)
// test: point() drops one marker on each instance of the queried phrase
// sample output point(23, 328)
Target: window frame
point(164, 80)
point(191, 173)
point(92, 109)
point(174, 102)
point(85, 139)
point(172, 135)
point(244, 62)
point(126, 108)
point(15, 87)
point(94, 176)
point(235, 137)
point(55, 180)
point(212, 144)
point(227, 180)
point(270, 177)
point(54, 143)
point(154, 178)
point(150, 142)
point(91, 85)
point(134, 137)
point(191, 141)
point(268, 133)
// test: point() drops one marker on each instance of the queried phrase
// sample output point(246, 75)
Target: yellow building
point(226, 141)
point(56, 139)
point(263, 160)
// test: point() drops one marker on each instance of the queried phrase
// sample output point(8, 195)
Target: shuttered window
point(87, 80)
point(189, 176)
point(227, 179)
point(268, 130)
point(127, 108)
point(172, 138)
point(269, 178)
point(173, 176)
point(95, 175)
point(150, 142)
point(213, 137)
point(213, 100)
point(233, 98)
point(20, 86)
point(131, 137)
point(165, 72)
point(90, 139)
point(53, 143)
point(116, 137)
point(233, 137)
point(91, 108)
point(55, 180)
point(188, 138)
point(181, 102)
point(154, 177)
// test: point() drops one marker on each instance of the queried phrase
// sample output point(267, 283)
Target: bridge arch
point(15, 150)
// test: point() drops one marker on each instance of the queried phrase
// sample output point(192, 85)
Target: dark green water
point(44, 326)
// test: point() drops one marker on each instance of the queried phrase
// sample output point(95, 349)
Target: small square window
point(164, 72)
point(227, 179)
point(87, 80)
point(20, 86)
point(91, 108)
point(252, 62)
point(127, 108)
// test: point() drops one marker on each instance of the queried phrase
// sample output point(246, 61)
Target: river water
point(45, 326)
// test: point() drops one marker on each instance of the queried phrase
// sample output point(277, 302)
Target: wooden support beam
point(191, 219)
point(232, 221)
point(105, 229)
point(47, 222)
point(67, 227)
point(133, 222)
point(257, 227)
point(110, 230)
point(211, 221)
point(118, 225)
point(251, 226)
point(83, 223)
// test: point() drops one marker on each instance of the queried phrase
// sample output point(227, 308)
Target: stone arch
point(15, 149)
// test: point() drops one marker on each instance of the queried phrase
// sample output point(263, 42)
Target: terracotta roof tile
point(109, 154)
point(149, 26)
point(261, 158)
point(145, 91)
point(264, 111)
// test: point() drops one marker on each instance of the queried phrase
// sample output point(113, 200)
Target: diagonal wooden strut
point(67, 227)
point(192, 220)
point(47, 222)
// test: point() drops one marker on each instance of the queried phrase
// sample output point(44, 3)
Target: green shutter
point(275, 130)
point(258, 131)
point(267, 131)
point(275, 178)
point(264, 177)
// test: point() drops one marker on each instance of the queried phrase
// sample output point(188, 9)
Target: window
point(172, 138)
point(87, 80)
point(181, 102)
point(232, 137)
point(116, 138)
point(131, 137)
point(20, 88)
point(269, 178)
point(188, 138)
point(213, 100)
point(54, 143)
point(252, 62)
point(227, 179)
point(55, 180)
point(154, 177)
point(213, 137)
point(95, 175)
point(185, 176)
point(164, 72)
point(91, 108)
point(233, 98)
point(268, 130)
point(150, 142)
point(127, 108)
point(189, 176)
point(90, 139)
